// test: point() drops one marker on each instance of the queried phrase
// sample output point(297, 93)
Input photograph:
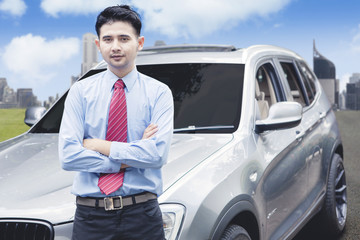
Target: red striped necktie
point(116, 131)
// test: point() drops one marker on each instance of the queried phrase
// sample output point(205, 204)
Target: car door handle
point(322, 115)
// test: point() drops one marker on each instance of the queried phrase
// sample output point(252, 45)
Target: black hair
point(121, 13)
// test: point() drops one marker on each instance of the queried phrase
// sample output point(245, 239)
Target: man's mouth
point(116, 56)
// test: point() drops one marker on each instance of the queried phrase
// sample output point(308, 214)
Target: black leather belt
point(115, 203)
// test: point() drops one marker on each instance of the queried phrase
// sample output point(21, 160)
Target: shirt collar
point(129, 79)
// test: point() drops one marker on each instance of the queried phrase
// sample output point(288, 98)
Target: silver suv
point(256, 151)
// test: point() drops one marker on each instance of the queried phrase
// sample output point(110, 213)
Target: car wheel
point(235, 232)
point(333, 214)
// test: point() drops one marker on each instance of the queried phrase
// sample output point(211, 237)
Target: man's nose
point(116, 46)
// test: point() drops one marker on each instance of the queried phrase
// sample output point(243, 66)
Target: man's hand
point(98, 145)
point(150, 131)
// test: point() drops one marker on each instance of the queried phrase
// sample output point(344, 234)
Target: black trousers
point(140, 221)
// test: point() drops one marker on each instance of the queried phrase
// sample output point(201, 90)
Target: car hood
point(189, 150)
point(33, 185)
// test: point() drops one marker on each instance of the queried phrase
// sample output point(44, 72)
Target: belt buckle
point(109, 203)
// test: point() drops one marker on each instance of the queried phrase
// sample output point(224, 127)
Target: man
point(128, 209)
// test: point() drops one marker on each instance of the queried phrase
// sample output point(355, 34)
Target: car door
point(283, 185)
point(314, 137)
point(308, 133)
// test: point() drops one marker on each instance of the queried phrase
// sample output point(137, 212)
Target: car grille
point(14, 229)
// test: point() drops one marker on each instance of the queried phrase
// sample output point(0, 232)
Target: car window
point(294, 82)
point(309, 80)
point(50, 122)
point(267, 88)
point(207, 97)
point(268, 83)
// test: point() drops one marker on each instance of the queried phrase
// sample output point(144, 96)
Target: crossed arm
point(103, 146)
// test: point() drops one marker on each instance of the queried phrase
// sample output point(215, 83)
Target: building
point(25, 97)
point(73, 79)
point(22, 98)
point(3, 84)
point(51, 100)
point(353, 92)
point(7, 95)
point(354, 78)
point(342, 100)
point(90, 57)
point(325, 71)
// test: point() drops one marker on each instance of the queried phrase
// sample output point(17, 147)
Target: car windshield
point(207, 97)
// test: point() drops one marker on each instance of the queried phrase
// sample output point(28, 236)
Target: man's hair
point(121, 13)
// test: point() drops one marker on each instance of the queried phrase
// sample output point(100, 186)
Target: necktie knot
point(119, 84)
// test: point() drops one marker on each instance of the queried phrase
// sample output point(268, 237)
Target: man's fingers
point(150, 131)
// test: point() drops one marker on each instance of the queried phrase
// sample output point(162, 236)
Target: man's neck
point(120, 73)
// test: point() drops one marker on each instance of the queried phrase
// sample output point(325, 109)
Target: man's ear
point(97, 42)
point(141, 41)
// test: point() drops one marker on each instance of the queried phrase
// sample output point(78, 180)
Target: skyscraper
point(355, 78)
point(325, 71)
point(7, 95)
point(25, 97)
point(353, 92)
point(90, 57)
point(3, 84)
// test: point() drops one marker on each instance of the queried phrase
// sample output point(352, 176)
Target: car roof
point(204, 53)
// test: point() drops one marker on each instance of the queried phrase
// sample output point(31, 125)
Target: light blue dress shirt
point(85, 116)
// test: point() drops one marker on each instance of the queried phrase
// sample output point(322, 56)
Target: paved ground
point(349, 124)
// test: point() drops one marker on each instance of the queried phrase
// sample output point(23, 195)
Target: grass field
point(12, 123)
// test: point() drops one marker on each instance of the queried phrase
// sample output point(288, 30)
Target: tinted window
point(205, 95)
point(50, 123)
point(294, 82)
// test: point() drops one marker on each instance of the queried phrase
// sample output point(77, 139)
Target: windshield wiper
point(194, 128)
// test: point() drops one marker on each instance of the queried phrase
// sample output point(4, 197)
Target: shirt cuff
point(118, 152)
point(111, 166)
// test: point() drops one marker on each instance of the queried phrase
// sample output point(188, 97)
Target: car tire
point(235, 232)
point(334, 211)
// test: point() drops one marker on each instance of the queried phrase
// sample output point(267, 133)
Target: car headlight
point(172, 215)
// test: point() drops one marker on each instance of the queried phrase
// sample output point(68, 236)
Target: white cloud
point(184, 18)
point(344, 79)
point(35, 59)
point(202, 17)
point(355, 43)
point(14, 7)
point(76, 7)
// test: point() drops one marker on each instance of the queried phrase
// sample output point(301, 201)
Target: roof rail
point(188, 48)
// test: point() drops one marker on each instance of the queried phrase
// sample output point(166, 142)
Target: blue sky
point(40, 40)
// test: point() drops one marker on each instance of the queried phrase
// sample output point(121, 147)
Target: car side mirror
point(281, 115)
point(33, 114)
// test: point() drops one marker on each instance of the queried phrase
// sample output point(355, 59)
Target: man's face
point(119, 45)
